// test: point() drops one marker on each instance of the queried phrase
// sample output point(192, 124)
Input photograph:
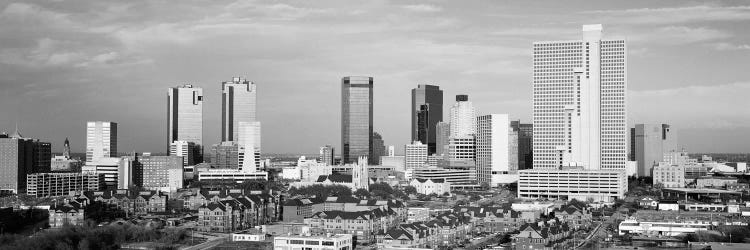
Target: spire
point(16, 134)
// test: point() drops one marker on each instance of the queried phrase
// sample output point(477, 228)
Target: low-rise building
point(669, 175)
point(715, 181)
point(669, 205)
point(572, 183)
point(497, 219)
point(739, 187)
point(66, 213)
point(133, 203)
point(363, 225)
point(661, 228)
point(542, 235)
point(61, 184)
point(318, 242)
point(431, 186)
point(297, 210)
point(417, 214)
point(648, 203)
point(576, 217)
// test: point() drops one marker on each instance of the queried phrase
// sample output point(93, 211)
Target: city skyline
point(71, 84)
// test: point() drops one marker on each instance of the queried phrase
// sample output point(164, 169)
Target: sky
point(63, 63)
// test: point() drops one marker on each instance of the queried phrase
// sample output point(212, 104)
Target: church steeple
point(66, 148)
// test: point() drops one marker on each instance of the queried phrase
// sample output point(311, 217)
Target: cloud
point(422, 8)
point(674, 15)
point(730, 46)
point(674, 35)
point(710, 107)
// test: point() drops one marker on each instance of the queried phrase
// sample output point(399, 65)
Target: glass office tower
point(356, 118)
point(426, 112)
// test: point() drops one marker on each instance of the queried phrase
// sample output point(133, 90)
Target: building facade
point(356, 118)
point(239, 99)
point(426, 112)
point(101, 140)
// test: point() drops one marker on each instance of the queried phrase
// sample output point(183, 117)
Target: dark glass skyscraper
point(356, 118)
point(525, 151)
point(426, 112)
point(377, 148)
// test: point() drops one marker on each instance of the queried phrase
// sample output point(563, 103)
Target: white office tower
point(579, 102)
point(443, 130)
point(238, 99)
point(327, 155)
point(185, 115)
point(249, 147)
point(101, 140)
point(415, 155)
point(391, 150)
point(496, 150)
point(463, 118)
point(579, 119)
point(185, 149)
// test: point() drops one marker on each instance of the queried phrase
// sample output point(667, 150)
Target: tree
point(410, 190)
point(362, 193)
point(485, 186)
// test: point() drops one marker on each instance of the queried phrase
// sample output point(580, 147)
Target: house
point(668, 205)
point(542, 235)
point(576, 217)
point(648, 203)
point(66, 213)
point(266, 205)
point(363, 225)
point(431, 186)
point(133, 203)
point(497, 219)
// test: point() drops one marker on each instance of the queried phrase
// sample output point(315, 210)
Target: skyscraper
point(426, 112)
point(185, 117)
point(238, 98)
point(463, 118)
point(378, 149)
point(525, 133)
point(579, 102)
point(579, 144)
point(249, 147)
point(496, 150)
point(443, 133)
point(327, 155)
point(652, 141)
point(101, 140)
point(356, 118)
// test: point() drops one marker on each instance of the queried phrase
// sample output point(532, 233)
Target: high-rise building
point(239, 98)
point(356, 118)
point(525, 133)
point(249, 147)
point(224, 155)
point(327, 155)
point(163, 173)
point(579, 119)
point(415, 155)
point(651, 142)
point(185, 117)
point(16, 161)
point(426, 112)
point(101, 140)
point(463, 118)
point(378, 148)
point(579, 102)
point(42, 157)
point(496, 150)
point(184, 149)
point(441, 138)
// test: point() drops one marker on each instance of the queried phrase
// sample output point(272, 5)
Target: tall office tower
point(356, 118)
point(415, 155)
point(378, 148)
point(239, 98)
point(16, 161)
point(249, 147)
point(185, 117)
point(525, 133)
point(579, 102)
point(184, 149)
point(101, 140)
point(463, 118)
point(652, 141)
point(66, 149)
point(497, 150)
point(426, 112)
point(443, 133)
point(327, 155)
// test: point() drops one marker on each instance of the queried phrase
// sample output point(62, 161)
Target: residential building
point(525, 132)
point(265, 206)
point(363, 225)
point(415, 155)
point(239, 99)
point(133, 203)
point(497, 219)
point(599, 185)
point(580, 118)
point(443, 132)
point(327, 154)
point(446, 230)
point(426, 112)
point(185, 120)
point(321, 242)
point(378, 149)
point(546, 235)
point(496, 150)
point(101, 140)
point(297, 210)
point(579, 102)
point(651, 142)
point(577, 217)
point(66, 213)
point(237, 213)
point(356, 118)
point(431, 186)
point(61, 184)
point(418, 214)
